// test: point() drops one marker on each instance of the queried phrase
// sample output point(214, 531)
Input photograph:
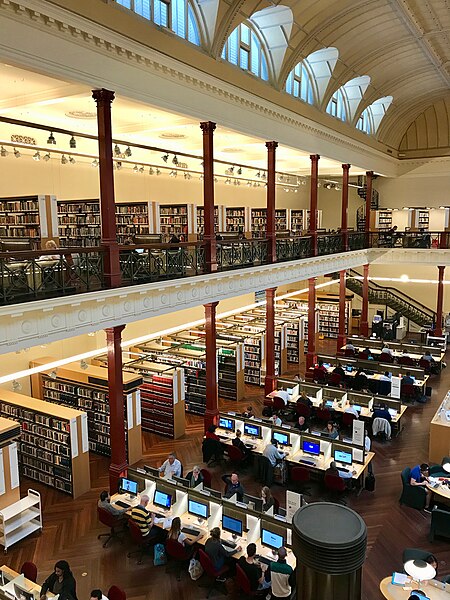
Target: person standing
point(171, 466)
point(273, 454)
point(282, 576)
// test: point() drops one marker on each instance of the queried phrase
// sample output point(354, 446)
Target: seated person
point(171, 466)
point(281, 394)
point(434, 368)
point(273, 454)
point(276, 420)
point(233, 486)
point(105, 503)
point(407, 379)
point(385, 377)
point(239, 443)
point(420, 477)
point(427, 356)
point(335, 470)
point(267, 498)
point(175, 533)
point(367, 352)
point(321, 367)
point(304, 399)
point(351, 409)
point(218, 554)
point(254, 570)
point(339, 370)
point(382, 413)
point(248, 413)
point(50, 245)
point(405, 354)
point(387, 350)
point(144, 519)
point(302, 425)
point(331, 430)
point(282, 576)
point(350, 346)
point(194, 477)
point(211, 433)
point(360, 380)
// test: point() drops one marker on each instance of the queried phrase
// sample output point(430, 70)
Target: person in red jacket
point(211, 433)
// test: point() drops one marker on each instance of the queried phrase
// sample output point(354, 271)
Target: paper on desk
point(165, 521)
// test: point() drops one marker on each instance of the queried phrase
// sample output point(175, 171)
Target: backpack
point(369, 484)
point(195, 569)
point(159, 556)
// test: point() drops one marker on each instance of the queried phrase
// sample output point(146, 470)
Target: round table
point(396, 592)
point(442, 490)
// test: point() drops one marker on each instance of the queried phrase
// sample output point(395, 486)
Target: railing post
point(112, 274)
point(342, 337)
point(212, 402)
point(443, 240)
point(270, 379)
point(116, 406)
point(344, 213)
point(209, 236)
point(311, 354)
point(369, 178)
point(440, 301)
point(270, 222)
point(364, 325)
point(313, 201)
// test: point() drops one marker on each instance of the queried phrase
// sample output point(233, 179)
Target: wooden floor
point(71, 528)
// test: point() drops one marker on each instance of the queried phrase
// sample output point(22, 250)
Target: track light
point(227, 181)
point(72, 160)
point(258, 174)
point(135, 169)
point(141, 169)
point(36, 156)
point(263, 175)
point(175, 159)
point(201, 177)
point(73, 142)
point(94, 163)
point(119, 165)
point(173, 173)
point(46, 157)
point(187, 175)
point(158, 172)
point(3, 152)
point(51, 139)
point(239, 171)
point(165, 157)
point(128, 152)
point(53, 374)
point(249, 184)
point(17, 153)
point(63, 159)
point(150, 171)
point(303, 181)
point(83, 365)
point(337, 188)
point(116, 150)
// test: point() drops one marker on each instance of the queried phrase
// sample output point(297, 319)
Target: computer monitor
point(290, 391)
point(329, 403)
point(281, 438)
point(128, 486)
point(181, 481)
point(151, 471)
point(212, 493)
point(327, 365)
point(198, 509)
point(252, 430)
point(257, 502)
point(343, 457)
point(22, 594)
point(232, 525)
point(226, 423)
point(271, 539)
point(162, 499)
point(349, 369)
point(357, 407)
point(311, 447)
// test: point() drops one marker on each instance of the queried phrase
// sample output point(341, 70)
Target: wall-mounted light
point(165, 157)
point(239, 171)
point(141, 169)
point(135, 169)
point(116, 150)
point(3, 152)
point(72, 160)
point(175, 159)
point(94, 163)
point(51, 139)
point(53, 374)
point(72, 142)
point(118, 165)
point(151, 171)
point(16, 386)
point(158, 172)
point(83, 364)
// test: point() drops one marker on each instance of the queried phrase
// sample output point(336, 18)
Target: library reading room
point(224, 322)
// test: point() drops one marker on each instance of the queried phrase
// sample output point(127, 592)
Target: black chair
point(384, 388)
point(440, 523)
point(412, 495)
point(264, 470)
point(414, 554)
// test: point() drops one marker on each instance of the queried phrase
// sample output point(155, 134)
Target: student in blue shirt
point(408, 379)
point(419, 476)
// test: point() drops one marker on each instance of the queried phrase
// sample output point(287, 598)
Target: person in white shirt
point(171, 467)
point(387, 350)
point(385, 377)
point(175, 533)
point(350, 346)
point(351, 409)
point(367, 443)
point(276, 420)
point(283, 395)
point(273, 454)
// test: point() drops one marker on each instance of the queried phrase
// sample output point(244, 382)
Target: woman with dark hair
point(61, 582)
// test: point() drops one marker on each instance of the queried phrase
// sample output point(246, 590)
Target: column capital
point(346, 166)
point(370, 173)
point(211, 305)
point(441, 268)
point(103, 95)
point(271, 145)
point(114, 331)
point(207, 127)
point(271, 291)
point(314, 157)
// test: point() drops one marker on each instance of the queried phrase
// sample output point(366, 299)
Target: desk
point(440, 433)
point(433, 590)
point(30, 585)
point(419, 383)
point(443, 490)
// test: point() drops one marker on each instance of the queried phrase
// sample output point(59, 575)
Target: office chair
point(335, 379)
point(235, 455)
point(108, 519)
point(323, 415)
point(385, 357)
point(440, 523)
point(384, 388)
point(29, 569)
point(302, 410)
point(413, 496)
point(414, 554)
point(242, 583)
point(206, 477)
point(319, 376)
point(425, 365)
point(140, 541)
point(406, 360)
point(407, 391)
point(280, 408)
point(349, 352)
point(336, 486)
point(300, 476)
point(180, 555)
point(210, 570)
point(347, 420)
point(116, 593)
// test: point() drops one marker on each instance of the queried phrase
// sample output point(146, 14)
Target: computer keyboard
point(263, 559)
point(228, 544)
point(189, 531)
point(223, 437)
point(344, 470)
point(307, 461)
point(159, 516)
point(122, 504)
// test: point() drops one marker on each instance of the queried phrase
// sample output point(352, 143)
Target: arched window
point(177, 15)
point(345, 101)
point(371, 117)
point(244, 49)
point(309, 79)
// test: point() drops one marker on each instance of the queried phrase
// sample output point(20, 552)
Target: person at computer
point(321, 367)
point(105, 503)
point(144, 519)
point(305, 399)
point(238, 443)
point(432, 363)
point(331, 431)
point(171, 467)
point(233, 486)
point(195, 477)
point(407, 379)
point(367, 353)
point(175, 533)
point(276, 420)
point(385, 377)
point(248, 413)
point(98, 595)
point(419, 476)
point(267, 498)
point(211, 433)
point(281, 394)
point(351, 409)
point(302, 424)
point(274, 455)
point(282, 576)
point(218, 554)
point(339, 370)
point(350, 346)
point(335, 470)
point(61, 582)
point(405, 354)
point(254, 570)
point(360, 380)
point(382, 413)
point(387, 350)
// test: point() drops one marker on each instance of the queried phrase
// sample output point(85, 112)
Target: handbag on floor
point(195, 569)
point(159, 556)
point(369, 484)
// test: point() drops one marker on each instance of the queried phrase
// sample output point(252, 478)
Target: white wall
point(417, 189)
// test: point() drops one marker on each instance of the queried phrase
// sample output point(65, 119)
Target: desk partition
point(371, 365)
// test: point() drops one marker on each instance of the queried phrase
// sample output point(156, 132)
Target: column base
point(211, 417)
point(341, 341)
point(310, 359)
point(115, 473)
point(270, 384)
point(364, 328)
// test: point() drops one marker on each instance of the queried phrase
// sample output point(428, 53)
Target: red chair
point(385, 357)
point(29, 569)
point(140, 541)
point(278, 404)
point(349, 352)
point(407, 391)
point(108, 519)
point(235, 455)
point(347, 420)
point(276, 506)
point(323, 415)
point(206, 477)
point(319, 376)
point(335, 485)
point(425, 365)
point(406, 360)
point(179, 554)
point(116, 593)
point(363, 355)
point(335, 379)
point(210, 570)
point(302, 410)
point(309, 375)
point(300, 476)
point(243, 583)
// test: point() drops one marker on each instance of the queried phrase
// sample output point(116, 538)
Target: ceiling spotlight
point(303, 181)
point(175, 159)
point(187, 175)
point(73, 142)
point(249, 183)
point(46, 157)
point(72, 160)
point(135, 169)
point(150, 171)
point(17, 153)
point(94, 163)
point(319, 184)
point(256, 184)
point(201, 177)
point(118, 165)
point(215, 180)
point(63, 159)
point(227, 181)
point(116, 150)
point(173, 173)
point(165, 157)
point(16, 386)
point(128, 152)
point(158, 172)
point(239, 171)
point(3, 152)
point(281, 178)
point(83, 365)
point(263, 175)
point(37, 156)
point(51, 139)
point(141, 169)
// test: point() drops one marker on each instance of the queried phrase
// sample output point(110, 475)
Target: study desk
point(27, 583)
point(396, 354)
point(419, 383)
point(433, 589)
point(443, 490)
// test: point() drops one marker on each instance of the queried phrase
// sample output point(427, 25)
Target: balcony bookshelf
point(177, 218)
point(26, 217)
point(237, 219)
point(219, 220)
point(300, 219)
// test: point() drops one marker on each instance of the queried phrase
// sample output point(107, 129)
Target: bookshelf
point(258, 221)
point(133, 218)
point(300, 219)
point(383, 219)
point(21, 519)
point(87, 389)
point(53, 447)
point(27, 217)
point(327, 316)
point(218, 220)
point(237, 219)
point(9, 473)
point(422, 218)
point(79, 223)
point(180, 218)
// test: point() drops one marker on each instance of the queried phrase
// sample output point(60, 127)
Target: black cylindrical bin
point(329, 542)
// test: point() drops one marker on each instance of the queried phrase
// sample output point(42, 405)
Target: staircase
point(361, 212)
point(398, 301)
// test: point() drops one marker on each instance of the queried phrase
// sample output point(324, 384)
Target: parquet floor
point(71, 528)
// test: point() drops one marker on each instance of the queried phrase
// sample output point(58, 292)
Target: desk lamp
point(420, 570)
point(446, 465)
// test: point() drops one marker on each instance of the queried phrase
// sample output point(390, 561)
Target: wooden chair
point(211, 571)
point(406, 360)
point(108, 519)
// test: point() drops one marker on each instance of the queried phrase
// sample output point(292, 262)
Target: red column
point(344, 213)
point(311, 354)
point(112, 275)
point(270, 231)
point(342, 336)
point(209, 236)
point(369, 175)
point(270, 381)
point(440, 301)
point(313, 201)
point(116, 406)
point(364, 325)
point(212, 401)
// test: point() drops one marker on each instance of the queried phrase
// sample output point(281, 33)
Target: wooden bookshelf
point(383, 219)
point(237, 219)
point(53, 447)
point(10, 484)
point(79, 223)
point(219, 220)
point(300, 219)
point(27, 217)
point(133, 218)
point(177, 218)
point(87, 389)
point(422, 218)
